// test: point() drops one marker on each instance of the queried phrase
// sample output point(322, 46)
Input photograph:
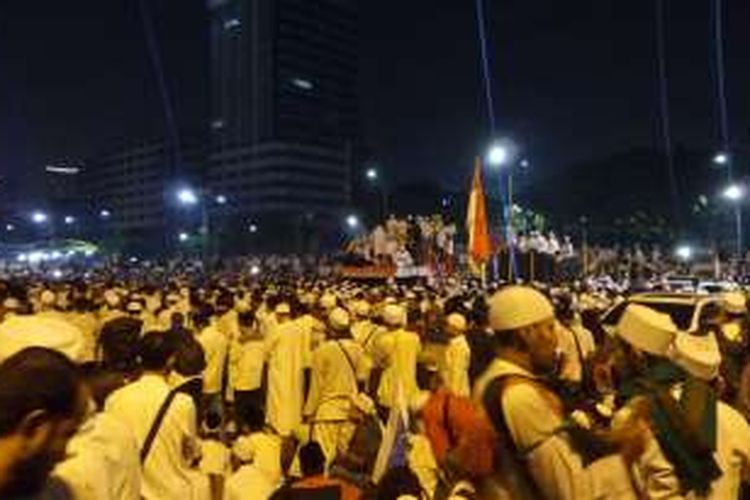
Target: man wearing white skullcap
point(457, 357)
point(526, 411)
point(339, 369)
point(695, 443)
point(397, 351)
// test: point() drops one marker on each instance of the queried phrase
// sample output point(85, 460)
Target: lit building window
point(232, 23)
point(302, 83)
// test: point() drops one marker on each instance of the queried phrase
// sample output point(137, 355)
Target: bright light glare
point(183, 237)
point(721, 158)
point(497, 155)
point(10, 227)
point(187, 196)
point(69, 219)
point(352, 221)
point(105, 214)
point(734, 192)
point(302, 83)
point(253, 228)
point(221, 199)
point(57, 274)
point(254, 270)
point(524, 163)
point(372, 174)
point(684, 252)
point(21, 257)
point(39, 217)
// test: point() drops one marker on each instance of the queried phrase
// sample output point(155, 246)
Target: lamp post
point(735, 193)
point(498, 155)
point(373, 177)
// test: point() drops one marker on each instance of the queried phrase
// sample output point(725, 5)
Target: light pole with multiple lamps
point(499, 156)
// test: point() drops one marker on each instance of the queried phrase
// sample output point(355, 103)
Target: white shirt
point(264, 450)
point(103, 461)
point(288, 346)
point(166, 472)
point(455, 369)
point(334, 378)
point(399, 349)
point(247, 367)
point(248, 482)
point(214, 345)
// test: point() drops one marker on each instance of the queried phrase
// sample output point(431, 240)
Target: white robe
point(166, 472)
point(399, 351)
point(455, 370)
point(289, 353)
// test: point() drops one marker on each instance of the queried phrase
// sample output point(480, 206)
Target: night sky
point(573, 81)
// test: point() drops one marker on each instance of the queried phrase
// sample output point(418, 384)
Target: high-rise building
point(285, 121)
point(131, 190)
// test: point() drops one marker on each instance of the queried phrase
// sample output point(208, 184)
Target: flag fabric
point(480, 245)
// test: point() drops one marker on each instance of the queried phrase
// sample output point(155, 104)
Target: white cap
point(361, 308)
point(699, 355)
point(19, 332)
point(328, 301)
point(339, 319)
point(456, 322)
point(282, 308)
point(111, 298)
point(517, 307)
point(645, 329)
point(48, 298)
point(394, 315)
point(734, 302)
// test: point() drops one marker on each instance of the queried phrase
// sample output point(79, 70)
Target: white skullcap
point(111, 298)
point(19, 332)
point(645, 329)
point(339, 319)
point(457, 322)
point(328, 301)
point(394, 315)
point(135, 306)
point(517, 307)
point(282, 308)
point(48, 298)
point(361, 308)
point(699, 355)
point(734, 302)
point(364, 403)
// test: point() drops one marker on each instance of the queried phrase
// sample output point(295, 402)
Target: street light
point(684, 252)
point(497, 155)
point(721, 158)
point(39, 217)
point(352, 221)
point(105, 214)
point(735, 193)
point(221, 199)
point(187, 196)
point(183, 236)
point(69, 219)
point(372, 174)
point(253, 228)
point(10, 227)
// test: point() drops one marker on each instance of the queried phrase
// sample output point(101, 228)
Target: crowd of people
point(243, 384)
point(407, 242)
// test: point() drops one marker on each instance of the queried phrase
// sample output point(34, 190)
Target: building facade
point(285, 120)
